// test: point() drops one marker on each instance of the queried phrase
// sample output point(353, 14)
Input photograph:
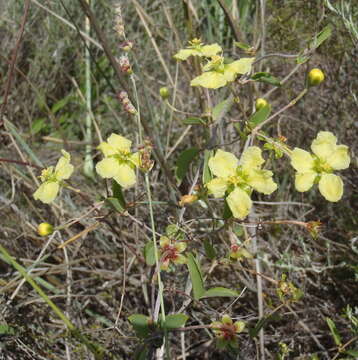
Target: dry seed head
point(119, 24)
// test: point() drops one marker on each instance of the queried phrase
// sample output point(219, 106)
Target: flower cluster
point(237, 179)
point(52, 177)
point(318, 168)
point(118, 163)
point(226, 331)
point(217, 72)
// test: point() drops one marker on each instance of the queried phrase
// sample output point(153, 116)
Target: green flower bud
point(315, 77)
point(164, 93)
point(260, 103)
point(45, 229)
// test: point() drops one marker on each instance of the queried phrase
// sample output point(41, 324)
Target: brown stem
point(230, 20)
point(20, 163)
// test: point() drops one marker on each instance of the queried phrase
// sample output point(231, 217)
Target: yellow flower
point(118, 163)
point(217, 74)
point(196, 48)
point(238, 179)
point(315, 77)
point(45, 229)
point(171, 252)
point(51, 179)
point(327, 157)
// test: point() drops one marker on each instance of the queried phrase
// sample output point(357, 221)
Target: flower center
point(169, 252)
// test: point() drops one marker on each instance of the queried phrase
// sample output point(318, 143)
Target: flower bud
point(315, 77)
point(127, 46)
point(45, 229)
point(260, 103)
point(164, 93)
point(187, 199)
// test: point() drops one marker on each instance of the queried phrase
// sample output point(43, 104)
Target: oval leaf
point(184, 160)
point(194, 121)
point(149, 253)
point(219, 292)
point(266, 78)
point(175, 321)
point(140, 324)
point(260, 116)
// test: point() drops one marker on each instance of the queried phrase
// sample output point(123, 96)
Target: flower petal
point(125, 176)
point(217, 187)
point(47, 192)
point(304, 181)
point(164, 241)
point(183, 54)
point(261, 181)
point(210, 50)
point(251, 158)
point(106, 149)
point(135, 159)
point(239, 326)
point(241, 66)
point(180, 259)
point(180, 246)
point(324, 145)
point(108, 167)
point(331, 187)
point(63, 168)
point(239, 203)
point(209, 80)
point(226, 319)
point(120, 143)
point(223, 164)
point(301, 160)
point(340, 159)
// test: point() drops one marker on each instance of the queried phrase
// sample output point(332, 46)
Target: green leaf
point(6, 330)
point(353, 353)
point(334, 331)
point(175, 321)
point(38, 125)
point(140, 324)
point(209, 249)
point(118, 193)
point(115, 204)
point(195, 276)
point(227, 213)
point(149, 253)
point(266, 78)
point(242, 45)
point(194, 121)
point(260, 116)
point(142, 353)
point(322, 36)
point(261, 323)
point(206, 171)
point(222, 108)
point(61, 103)
point(219, 292)
point(183, 162)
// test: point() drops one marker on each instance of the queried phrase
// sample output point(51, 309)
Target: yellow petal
point(180, 259)
point(241, 66)
point(180, 246)
point(125, 176)
point(301, 160)
point(304, 181)
point(217, 187)
point(251, 158)
point(209, 80)
point(210, 50)
point(164, 241)
point(223, 164)
point(183, 54)
point(239, 203)
point(261, 181)
point(119, 143)
point(340, 159)
point(239, 326)
point(63, 168)
point(107, 149)
point(226, 319)
point(331, 187)
point(324, 145)
point(108, 167)
point(47, 192)
point(135, 159)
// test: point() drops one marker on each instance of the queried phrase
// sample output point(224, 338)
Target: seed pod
point(164, 93)
point(315, 77)
point(260, 103)
point(45, 229)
